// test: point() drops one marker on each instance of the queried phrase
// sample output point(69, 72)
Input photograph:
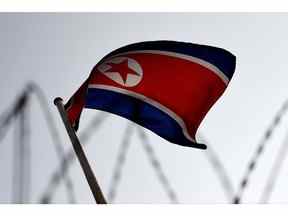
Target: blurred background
point(47, 55)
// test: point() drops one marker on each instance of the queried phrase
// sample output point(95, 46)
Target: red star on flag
point(122, 68)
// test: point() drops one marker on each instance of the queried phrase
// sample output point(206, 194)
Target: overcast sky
point(57, 51)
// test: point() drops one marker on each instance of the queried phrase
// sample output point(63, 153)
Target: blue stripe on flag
point(221, 58)
point(139, 112)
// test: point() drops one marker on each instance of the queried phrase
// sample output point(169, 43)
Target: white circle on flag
point(122, 70)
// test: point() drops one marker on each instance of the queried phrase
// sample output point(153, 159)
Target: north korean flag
point(165, 86)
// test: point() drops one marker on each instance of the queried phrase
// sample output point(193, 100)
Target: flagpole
point(90, 177)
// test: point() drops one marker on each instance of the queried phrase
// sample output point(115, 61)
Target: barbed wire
point(69, 158)
point(212, 157)
point(7, 116)
point(21, 151)
point(83, 137)
point(155, 163)
point(66, 159)
point(43, 102)
point(259, 151)
point(5, 120)
point(121, 158)
point(214, 162)
point(16, 177)
point(219, 169)
point(56, 177)
point(26, 149)
point(119, 164)
point(274, 172)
